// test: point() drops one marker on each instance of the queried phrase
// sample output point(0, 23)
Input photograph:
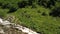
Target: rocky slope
point(11, 28)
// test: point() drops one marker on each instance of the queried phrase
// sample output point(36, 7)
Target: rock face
point(11, 28)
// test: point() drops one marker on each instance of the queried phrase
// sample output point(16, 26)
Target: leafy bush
point(33, 6)
point(12, 9)
point(5, 6)
point(44, 14)
point(22, 4)
point(2, 14)
point(55, 12)
point(0, 4)
point(30, 2)
point(33, 18)
point(47, 4)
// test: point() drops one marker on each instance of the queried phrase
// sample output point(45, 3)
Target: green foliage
point(33, 14)
point(3, 13)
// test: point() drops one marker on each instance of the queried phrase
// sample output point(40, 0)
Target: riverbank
point(13, 26)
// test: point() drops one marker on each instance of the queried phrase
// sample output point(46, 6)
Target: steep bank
point(11, 28)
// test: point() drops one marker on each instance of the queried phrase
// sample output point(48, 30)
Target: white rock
point(19, 27)
point(1, 31)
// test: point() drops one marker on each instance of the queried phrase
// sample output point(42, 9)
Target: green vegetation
point(42, 16)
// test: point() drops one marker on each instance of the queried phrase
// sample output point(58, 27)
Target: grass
point(31, 18)
point(37, 22)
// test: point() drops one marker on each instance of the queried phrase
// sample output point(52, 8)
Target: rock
point(12, 28)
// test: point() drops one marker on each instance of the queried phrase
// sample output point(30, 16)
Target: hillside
point(7, 27)
point(42, 16)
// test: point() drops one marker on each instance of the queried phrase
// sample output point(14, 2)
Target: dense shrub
point(4, 6)
point(42, 3)
point(30, 2)
point(13, 9)
point(38, 11)
point(44, 14)
point(28, 16)
point(7, 6)
point(46, 4)
point(50, 3)
point(0, 4)
point(22, 4)
point(33, 6)
point(2, 14)
point(55, 12)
